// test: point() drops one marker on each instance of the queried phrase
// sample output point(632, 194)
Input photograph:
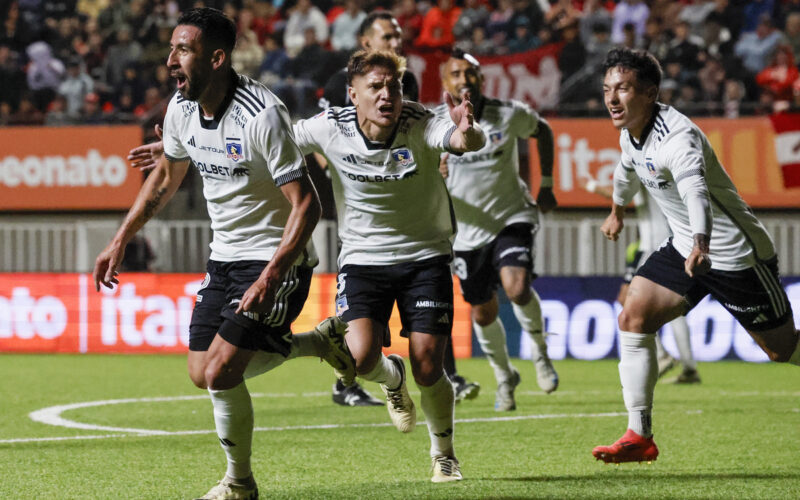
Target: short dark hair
point(458, 53)
point(373, 16)
point(647, 69)
point(363, 61)
point(218, 30)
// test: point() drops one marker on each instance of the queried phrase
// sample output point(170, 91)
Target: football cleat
point(686, 377)
point(233, 489)
point(332, 332)
point(445, 469)
point(629, 448)
point(504, 397)
point(353, 395)
point(546, 375)
point(464, 389)
point(665, 364)
point(398, 402)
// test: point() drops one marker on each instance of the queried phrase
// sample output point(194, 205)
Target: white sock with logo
point(638, 372)
point(492, 339)
point(385, 372)
point(680, 330)
point(233, 417)
point(437, 403)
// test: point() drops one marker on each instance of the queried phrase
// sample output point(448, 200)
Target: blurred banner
point(787, 146)
point(150, 313)
point(531, 77)
point(745, 147)
point(68, 168)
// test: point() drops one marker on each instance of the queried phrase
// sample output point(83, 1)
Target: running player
point(724, 251)
point(263, 208)
point(396, 225)
point(653, 231)
point(497, 220)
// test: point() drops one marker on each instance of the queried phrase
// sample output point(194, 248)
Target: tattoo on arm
point(151, 205)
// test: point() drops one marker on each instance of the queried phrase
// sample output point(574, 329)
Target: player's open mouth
point(386, 109)
point(180, 80)
point(616, 113)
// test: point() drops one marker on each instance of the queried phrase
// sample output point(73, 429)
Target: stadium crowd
point(102, 61)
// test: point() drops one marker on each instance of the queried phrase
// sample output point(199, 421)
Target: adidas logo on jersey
point(350, 159)
point(191, 142)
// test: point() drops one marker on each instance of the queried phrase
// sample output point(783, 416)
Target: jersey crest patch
point(402, 157)
point(234, 150)
point(496, 137)
point(651, 167)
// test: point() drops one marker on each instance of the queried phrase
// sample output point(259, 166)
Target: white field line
point(52, 416)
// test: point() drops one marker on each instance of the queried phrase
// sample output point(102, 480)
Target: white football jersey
point(488, 194)
point(653, 226)
point(391, 200)
point(674, 148)
point(243, 156)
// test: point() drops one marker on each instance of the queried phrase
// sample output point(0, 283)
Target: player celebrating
point(395, 223)
point(724, 251)
point(263, 208)
point(497, 221)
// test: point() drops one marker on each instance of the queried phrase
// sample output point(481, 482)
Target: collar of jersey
point(377, 145)
point(223, 107)
point(646, 132)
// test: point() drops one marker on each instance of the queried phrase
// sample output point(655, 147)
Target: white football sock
point(233, 417)
point(680, 330)
point(262, 362)
point(437, 402)
point(492, 339)
point(638, 372)
point(661, 353)
point(385, 372)
point(530, 315)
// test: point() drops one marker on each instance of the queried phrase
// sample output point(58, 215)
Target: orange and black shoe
point(629, 448)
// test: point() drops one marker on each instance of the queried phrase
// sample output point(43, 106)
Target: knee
point(219, 378)
point(366, 364)
point(198, 379)
point(483, 316)
point(519, 293)
point(630, 321)
point(426, 373)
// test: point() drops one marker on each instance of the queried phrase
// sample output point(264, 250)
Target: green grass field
point(737, 435)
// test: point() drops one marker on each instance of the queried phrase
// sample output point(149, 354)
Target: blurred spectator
point(268, 19)
point(125, 109)
point(304, 15)
point(477, 44)
point(12, 78)
point(792, 34)
point(5, 113)
point(437, 25)
point(150, 105)
point(44, 74)
point(308, 72)
point(113, 17)
point(75, 87)
point(629, 38)
point(247, 54)
point(409, 19)
point(14, 31)
point(27, 113)
point(498, 27)
point(562, 13)
point(530, 10)
point(732, 98)
point(754, 11)
point(716, 37)
point(755, 48)
point(712, 76)
point(91, 8)
point(92, 112)
point(344, 31)
point(56, 114)
point(694, 13)
point(629, 11)
point(523, 40)
point(163, 81)
point(156, 50)
point(124, 52)
point(729, 15)
point(779, 76)
point(594, 14)
point(273, 66)
point(598, 45)
point(573, 53)
point(666, 92)
point(685, 47)
point(132, 84)
point(60, 38)
point(666, 10)
point(787, 8)
point(656, 40)
point(474, 14)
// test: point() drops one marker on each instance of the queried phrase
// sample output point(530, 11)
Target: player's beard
point(196, 83)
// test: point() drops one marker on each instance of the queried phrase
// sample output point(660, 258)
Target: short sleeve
point(273, 134)
point(173, 147)
point(524, 120)
point(437, 131)
point(682, 154)
point(311, 132)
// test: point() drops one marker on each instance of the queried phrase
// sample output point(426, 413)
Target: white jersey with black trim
point(391, 200)
point(674, 148)
point(243, 155)
point(488, 193)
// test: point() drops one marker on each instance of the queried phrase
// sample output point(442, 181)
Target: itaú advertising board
point(150, 313)
point(146, 313)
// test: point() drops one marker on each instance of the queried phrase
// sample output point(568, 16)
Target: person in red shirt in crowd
point(437, 25)
point(779, 76)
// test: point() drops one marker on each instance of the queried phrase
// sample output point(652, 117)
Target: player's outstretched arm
point(154, 194)
point(145, 157)
point(468, 135)
point(305, 213)
point(544, 144)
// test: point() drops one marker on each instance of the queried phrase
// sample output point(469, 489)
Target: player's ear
point(353, 96)
point(365, 43)
point(218, 58)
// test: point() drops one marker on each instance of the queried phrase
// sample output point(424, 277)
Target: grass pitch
point(147, 433)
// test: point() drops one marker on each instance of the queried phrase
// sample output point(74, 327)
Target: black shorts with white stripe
point(220, 294)
point(754, 296)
